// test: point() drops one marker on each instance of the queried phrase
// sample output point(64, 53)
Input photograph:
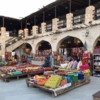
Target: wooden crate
point(60, 91)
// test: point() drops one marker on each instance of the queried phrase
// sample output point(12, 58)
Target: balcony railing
point(13, 41)
point(98, 14)
point(62, 24)
point(78, 19)
point(49, 27)
point(39, 30)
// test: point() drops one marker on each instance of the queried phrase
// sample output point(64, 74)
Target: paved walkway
point(17, 90)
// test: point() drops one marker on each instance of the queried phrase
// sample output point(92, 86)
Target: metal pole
point(21, 24)
point(70, 2)
point(89, 2)
point(43, 16)
point(26, 23)
point(55, 12)
point(3, 21)
point(35, 20)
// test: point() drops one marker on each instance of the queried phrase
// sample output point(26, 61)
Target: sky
point(21, 8)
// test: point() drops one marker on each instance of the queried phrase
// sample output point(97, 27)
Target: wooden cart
point(56, 92)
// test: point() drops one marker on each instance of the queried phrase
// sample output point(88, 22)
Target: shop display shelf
point(97, 70)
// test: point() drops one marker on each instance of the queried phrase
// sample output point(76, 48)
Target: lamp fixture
point(85, 46)
point(87, 32)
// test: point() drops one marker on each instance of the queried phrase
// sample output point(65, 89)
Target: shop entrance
point(70, 46)
point(24, 49)
point(28, 48)
point(43, 49)
point(96, 58)
point(44, 45)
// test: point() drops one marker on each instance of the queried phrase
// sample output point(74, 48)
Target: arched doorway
point(43, 45)
point(97, 45)
point(24, 49)
point(27, 48)
point(43, 48)
point(69, 44)
point(96, 57)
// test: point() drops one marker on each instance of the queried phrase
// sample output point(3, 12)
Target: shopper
point(47, 62)
point(16, 58)
point(51, 60)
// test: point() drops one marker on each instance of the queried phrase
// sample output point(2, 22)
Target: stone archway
point(43, 45)
point(27, 47)
point(67, 39)
point(95, 42)
point(21, 50)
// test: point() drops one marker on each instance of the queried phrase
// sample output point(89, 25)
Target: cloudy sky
point(21, 8)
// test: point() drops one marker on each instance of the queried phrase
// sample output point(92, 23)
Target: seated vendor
point(74, 66)
point(85, 65)
point(70, 64)
point(79, 64)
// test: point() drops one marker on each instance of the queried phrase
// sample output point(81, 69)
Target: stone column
point(89, 46)
point(55, 24)
point(26, 31)
point(3, 43)
point(89, 14)
point(69, 22)
point(43, 27)
point(20, 32)
point(34, 30)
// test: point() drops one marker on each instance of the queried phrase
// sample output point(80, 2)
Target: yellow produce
point(53, 81)
point(87, 71)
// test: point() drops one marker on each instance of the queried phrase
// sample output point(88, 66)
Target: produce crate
point(58, 91)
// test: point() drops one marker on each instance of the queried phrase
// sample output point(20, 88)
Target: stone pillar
point(69, 22)
point(43, 27)
point(20, 33)
point(89, 14)
point(55, 24)
point(34, 30)
point(26, 31)
point(89, 46)
point(3, 43)
point(33, 50)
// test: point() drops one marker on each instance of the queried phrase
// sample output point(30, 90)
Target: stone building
point(60, 24)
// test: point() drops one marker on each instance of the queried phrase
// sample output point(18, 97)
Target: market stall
point(67, 48)
point(43, 49)
point(9, 72)
point(59, 82)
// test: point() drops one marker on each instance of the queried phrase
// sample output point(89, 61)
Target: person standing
point(47, 62)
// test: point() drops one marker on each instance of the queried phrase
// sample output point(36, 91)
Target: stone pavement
point(17, 90)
